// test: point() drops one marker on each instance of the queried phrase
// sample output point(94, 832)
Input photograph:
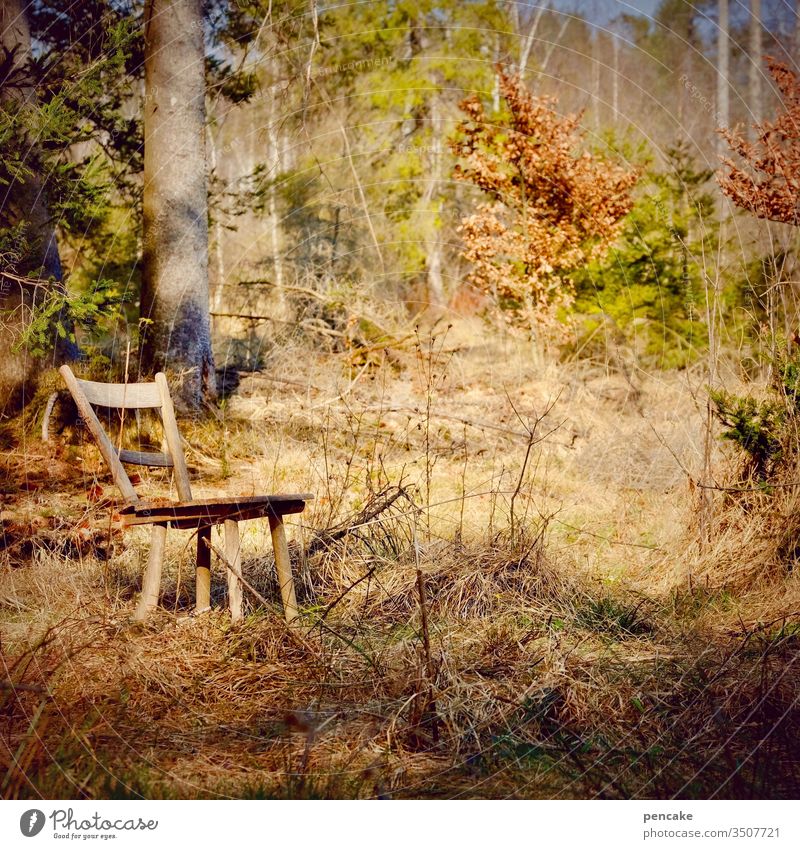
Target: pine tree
point(31, 273)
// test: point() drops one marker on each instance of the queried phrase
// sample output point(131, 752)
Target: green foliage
point(71, 122)
point(790, 383)
point(765, 429)
point(14, 247)
point(651, 285)
point(608, 614)
point(80, 82)
point(77, 191)
point(390, 75)
point(59, 312)
point(65, 142)
point(754, 426)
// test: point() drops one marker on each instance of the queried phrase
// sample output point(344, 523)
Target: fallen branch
point(308, 324)
point(324, 539)
point(28, 688)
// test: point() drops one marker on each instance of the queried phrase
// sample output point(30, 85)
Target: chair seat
point(211, 511)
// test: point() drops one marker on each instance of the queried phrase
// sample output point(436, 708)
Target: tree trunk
point(615, 77)
point(175, 274)
point(754, 69)
point(723, 66)
point(276, 168)
point(496, 86)
point(530, 36)
point(435, 281)
point(595, 65)
point(796, 38)
point(219, 252)
point(434, 246)
point(25, 202)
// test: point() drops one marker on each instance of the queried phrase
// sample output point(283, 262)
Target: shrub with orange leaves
point(553, 205)
point(774, 153)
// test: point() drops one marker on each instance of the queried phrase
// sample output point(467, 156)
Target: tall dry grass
point(588, 647)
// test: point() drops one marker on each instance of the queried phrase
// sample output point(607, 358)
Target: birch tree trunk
point(175, 274)
point(723, 69)
point(530, 36)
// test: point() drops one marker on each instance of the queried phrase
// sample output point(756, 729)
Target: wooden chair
point(186, 513)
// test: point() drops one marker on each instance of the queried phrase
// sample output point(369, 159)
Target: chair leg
point(152, 573)
point(203, 571)
point(284, 568)
point(233, 553)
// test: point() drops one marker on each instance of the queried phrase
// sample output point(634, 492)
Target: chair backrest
point(131, 396)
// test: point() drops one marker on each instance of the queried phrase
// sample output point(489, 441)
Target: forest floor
point(599, 626)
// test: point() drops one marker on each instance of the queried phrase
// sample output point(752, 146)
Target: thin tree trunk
point(434, 247)
point(615, 77)
point(723, 68)
point(754, 69)
point(527, 42)
point(596, 80)
point(796, 45)
point(556, 42)
point(687, 71)
point(496, 86)
point(435, 280)
point(275, 167)
point(175, 275)
point(218, 291)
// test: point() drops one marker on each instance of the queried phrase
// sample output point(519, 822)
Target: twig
point(308, 324)
point(352, 586)
point(430, 671)
point(423, 609)
point(285, 380)
point(478, 425)
point(608, 539)
point(303, 290)
point(323, 539)
point(345, 392)
point(762, 489)
point(530, 429)
point(299, 638)
point(246, 584)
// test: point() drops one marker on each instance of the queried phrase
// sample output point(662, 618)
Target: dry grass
point(586, 648)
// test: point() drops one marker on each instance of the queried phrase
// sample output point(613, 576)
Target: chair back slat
point(145, 458)
point(131, 396)
point(122, 396)
point(105, 445)
point(173, 438)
